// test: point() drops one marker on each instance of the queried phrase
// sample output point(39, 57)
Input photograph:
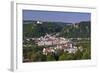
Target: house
point(48, 50)
point(59, 43)
point(51, 40)
point(39, 22)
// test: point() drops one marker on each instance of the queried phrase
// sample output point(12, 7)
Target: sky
point(55, 16)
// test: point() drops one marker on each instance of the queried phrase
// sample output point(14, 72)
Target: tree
point(50, 57)
point(38, 56)
point(78, 55)
point(34, 57)
point(66, 56)
point(86, 54)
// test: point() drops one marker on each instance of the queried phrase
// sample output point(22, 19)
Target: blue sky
point(55, 16)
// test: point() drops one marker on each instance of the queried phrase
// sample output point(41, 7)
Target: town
point(54, 43)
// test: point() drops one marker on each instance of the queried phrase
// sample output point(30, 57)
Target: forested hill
point(68, 30)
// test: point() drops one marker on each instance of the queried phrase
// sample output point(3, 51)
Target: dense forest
point(68, 30)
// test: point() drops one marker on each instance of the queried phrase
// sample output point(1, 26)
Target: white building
point(39, 22)
point(51, 40)
point(58, 43)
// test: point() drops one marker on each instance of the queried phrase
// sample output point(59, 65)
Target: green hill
point(68, 30)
